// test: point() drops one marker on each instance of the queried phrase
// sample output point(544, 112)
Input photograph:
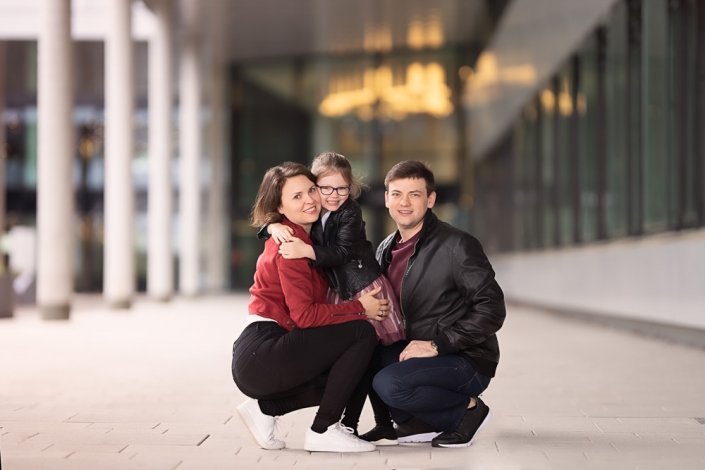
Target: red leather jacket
point(293, 293)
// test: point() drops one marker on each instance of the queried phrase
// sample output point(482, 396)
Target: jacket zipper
point(401, 289)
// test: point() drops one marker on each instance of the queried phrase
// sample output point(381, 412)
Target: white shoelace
point(277, 427)
point(344, 428)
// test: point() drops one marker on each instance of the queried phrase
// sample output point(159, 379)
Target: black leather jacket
point(449, 294)
point(345, 252)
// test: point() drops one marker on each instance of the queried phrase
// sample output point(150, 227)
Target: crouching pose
point(452, 306)
point(297, 350)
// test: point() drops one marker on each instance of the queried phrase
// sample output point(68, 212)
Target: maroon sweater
point(293, 293)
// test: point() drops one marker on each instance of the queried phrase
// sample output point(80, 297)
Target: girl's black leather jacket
point(449, 294)
point(345, 252)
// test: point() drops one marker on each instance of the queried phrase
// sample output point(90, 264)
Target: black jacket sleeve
point(341, 248)
point(485, 311)
point(263, 234)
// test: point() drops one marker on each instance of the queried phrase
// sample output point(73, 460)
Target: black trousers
point(290, 370)
point(383, 356)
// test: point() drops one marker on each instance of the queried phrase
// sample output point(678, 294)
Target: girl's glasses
point(328, 190)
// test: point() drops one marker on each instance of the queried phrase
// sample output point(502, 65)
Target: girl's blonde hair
point(329, 162)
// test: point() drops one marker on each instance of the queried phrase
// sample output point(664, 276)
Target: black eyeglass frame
point(328, 190)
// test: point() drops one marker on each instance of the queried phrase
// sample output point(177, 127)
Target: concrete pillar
point(160, 270)
point(190, 151)
point(217, 252)
point(55, 141)
point(119, 257)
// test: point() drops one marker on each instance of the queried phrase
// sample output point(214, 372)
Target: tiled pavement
point(151, 389)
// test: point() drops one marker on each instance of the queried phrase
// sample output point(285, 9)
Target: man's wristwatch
point(434, 345)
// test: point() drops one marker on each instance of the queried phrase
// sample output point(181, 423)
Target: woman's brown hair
point(328, 162)
point(269, 195)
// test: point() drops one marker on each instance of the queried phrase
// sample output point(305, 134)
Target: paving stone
point(148, 426)
point(8, 426)
point(566, 395)
point(34, 416)
point(86, 462)
point(8, 437)
point(100, 437)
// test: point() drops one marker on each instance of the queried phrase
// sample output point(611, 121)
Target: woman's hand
point(296, 249)
point(375, 309)
point(280, 233)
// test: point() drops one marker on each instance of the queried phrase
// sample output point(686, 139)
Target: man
point(452, 308)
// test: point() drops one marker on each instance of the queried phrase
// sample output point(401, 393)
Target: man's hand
point(296, 249)
point(418, 349)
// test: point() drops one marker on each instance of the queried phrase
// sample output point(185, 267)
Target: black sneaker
point(381, 435)
point(473, 421)
point(415, 430)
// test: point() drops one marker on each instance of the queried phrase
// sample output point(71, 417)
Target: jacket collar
point(429, 221)
point(342, 207)
point(317, 227)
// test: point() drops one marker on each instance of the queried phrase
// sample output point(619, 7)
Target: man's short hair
point(411, 169)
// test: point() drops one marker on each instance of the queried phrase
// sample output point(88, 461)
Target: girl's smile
point(333, 201)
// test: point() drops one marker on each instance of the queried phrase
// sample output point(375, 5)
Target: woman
point(296, 350)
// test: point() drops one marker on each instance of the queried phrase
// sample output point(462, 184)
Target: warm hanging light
point(424, 91)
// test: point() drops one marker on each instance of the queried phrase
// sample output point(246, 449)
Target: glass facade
point(610, 146)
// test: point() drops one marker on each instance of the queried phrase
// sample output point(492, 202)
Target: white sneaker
point(260, 425)
point(337, 438)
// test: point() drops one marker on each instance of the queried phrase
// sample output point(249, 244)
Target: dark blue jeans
point(436, 390)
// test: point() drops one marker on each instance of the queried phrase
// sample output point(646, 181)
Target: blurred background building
point(566, 135)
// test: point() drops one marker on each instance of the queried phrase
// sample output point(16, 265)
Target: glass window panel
point(635, 180)
point(530, 183)
point(518, 176)
point(655, 114)
point(547, 100)
point(616, 130)
point(682, 90)
point(587, 114)
point(691, 175)
point(564, 155)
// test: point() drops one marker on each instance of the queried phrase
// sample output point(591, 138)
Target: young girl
point(340, 245)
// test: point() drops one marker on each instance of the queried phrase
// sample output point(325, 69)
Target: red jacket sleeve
point(299, 288)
